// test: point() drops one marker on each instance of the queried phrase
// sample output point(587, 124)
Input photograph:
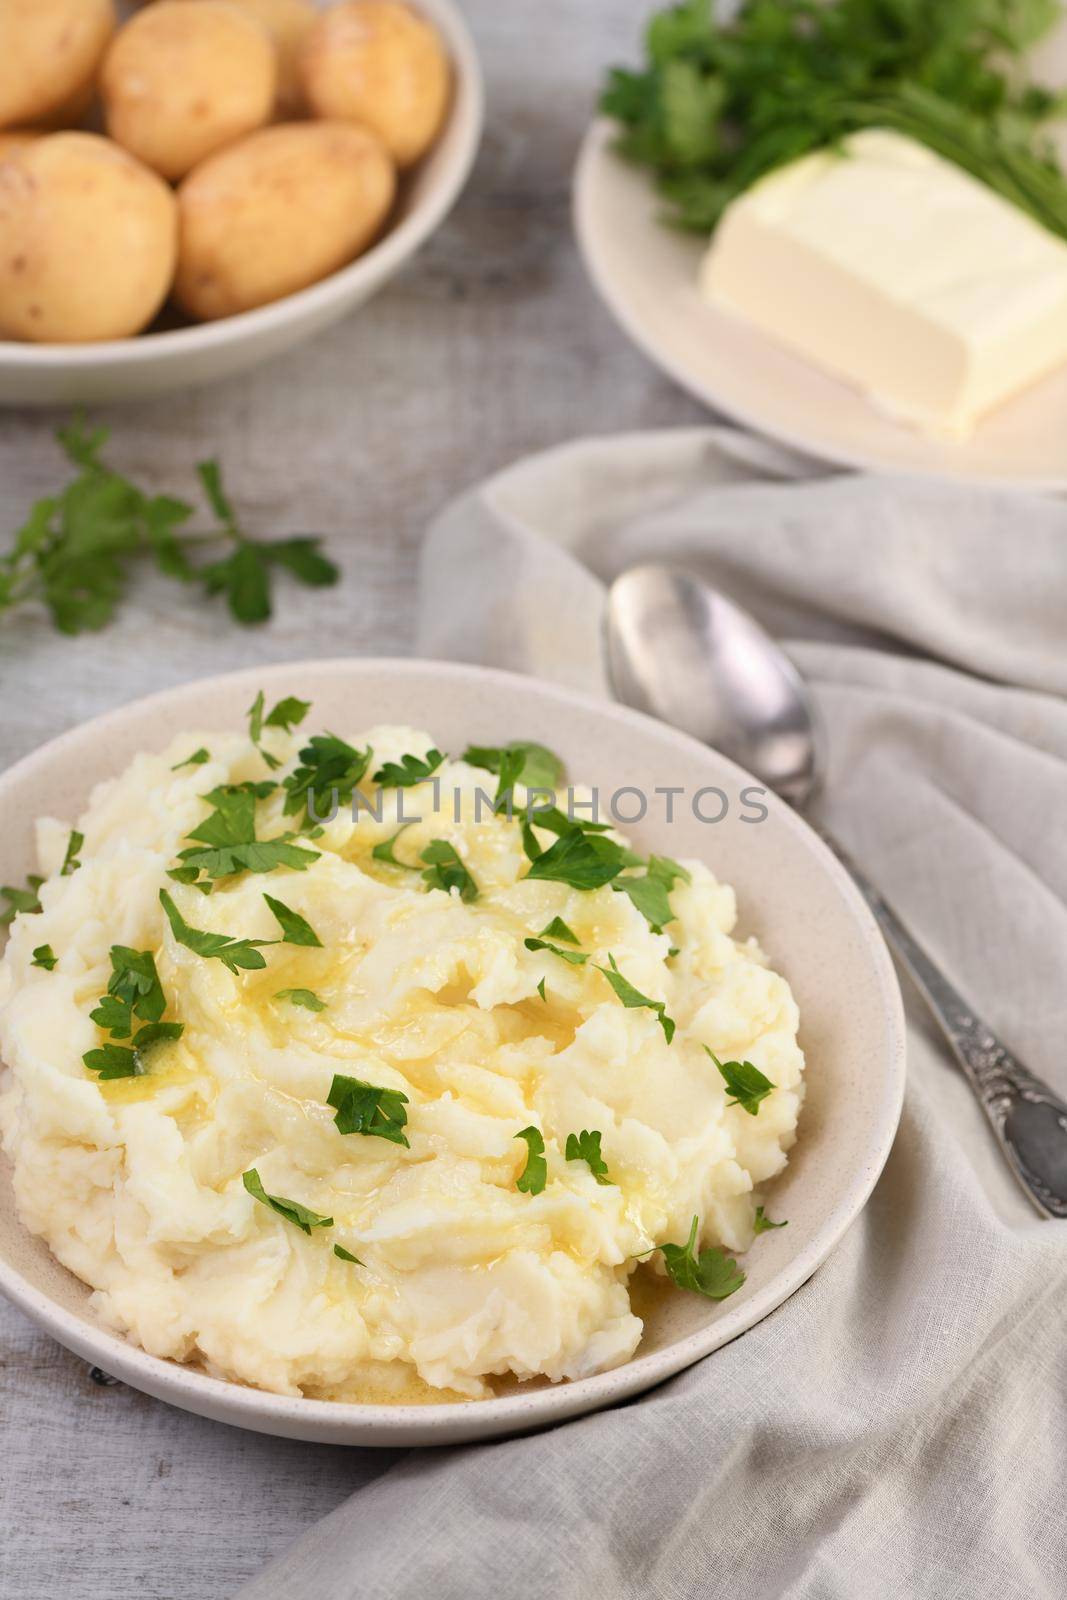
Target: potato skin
point(377, 62)
point(88, 241)
point(281, 210)
point(184, 78)
point(49, 54)
point(288, 22)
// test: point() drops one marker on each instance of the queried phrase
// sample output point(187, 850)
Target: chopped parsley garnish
point(233, 953)
point(291, 1210)
point(386, 851)
point(585, 1146)
point(134, 990)
point(295, 930)
point(445, 870)
point(365, 1108)
point(536, 767)
point(746, 1084)
point(409, 771)
point(346, 1255)
point(307, 998)
point(712, 1273)
point(128, 1061)
point(197, 759)
point(70, 859)
point(227, 843)
point(20, 901)
point(649, 892)
point(77, 549)
point(534, 1174)
point(580, 858)
point(576, 958)
point(44, 956)
point(287, 714)
point(541, 990)
point(558, 929)
point(329, 773)
point(762, 1223)
point(633, 999)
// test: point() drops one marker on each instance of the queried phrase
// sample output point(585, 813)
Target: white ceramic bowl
point(646, 272)
point(792, 893)
point(156, 363)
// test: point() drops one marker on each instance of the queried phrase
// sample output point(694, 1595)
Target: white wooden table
point(492, 345)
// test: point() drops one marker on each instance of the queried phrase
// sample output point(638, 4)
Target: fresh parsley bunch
point(719, 105)
point(75, 551)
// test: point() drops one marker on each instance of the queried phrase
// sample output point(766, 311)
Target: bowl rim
point(350, 1422)
point(466, 118)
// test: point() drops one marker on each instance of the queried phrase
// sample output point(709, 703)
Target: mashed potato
point(137, 1183)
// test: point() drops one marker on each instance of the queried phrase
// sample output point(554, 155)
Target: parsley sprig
point(720, 103)
point(712, 1273)
point(634, 1000)
point(134, 994)
point(226, 841)
point(77, 549)
point(368, 1109)
point(745, 1084)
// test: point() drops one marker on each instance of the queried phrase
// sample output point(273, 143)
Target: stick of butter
point(892, 268)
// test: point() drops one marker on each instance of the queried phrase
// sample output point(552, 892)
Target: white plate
point(157, 363)
point(647, 274)
point(792, 893)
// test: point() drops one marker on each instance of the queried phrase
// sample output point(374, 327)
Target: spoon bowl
point(683, 652)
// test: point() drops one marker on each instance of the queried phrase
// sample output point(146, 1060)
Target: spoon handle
point(1027, 1117)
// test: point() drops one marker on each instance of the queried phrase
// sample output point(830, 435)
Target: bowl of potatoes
point(188, 187)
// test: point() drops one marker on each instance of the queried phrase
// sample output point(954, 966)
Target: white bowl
point(156, 363)
point(792, 893)
point(646, 272)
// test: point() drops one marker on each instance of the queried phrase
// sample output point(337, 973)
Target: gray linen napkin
point(898, 1427)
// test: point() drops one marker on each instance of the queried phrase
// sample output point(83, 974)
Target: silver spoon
point(683, 652)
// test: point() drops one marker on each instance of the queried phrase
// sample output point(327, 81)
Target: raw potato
point(277, 212)
point(288, 23)
point(14, 139)
point(184, 78)
point(49, 53)
point(378, 63)
point(88, 241)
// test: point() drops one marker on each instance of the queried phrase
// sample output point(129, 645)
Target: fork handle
point(1028, 1118)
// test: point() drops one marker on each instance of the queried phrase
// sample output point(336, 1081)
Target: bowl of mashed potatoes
point(407, 1053)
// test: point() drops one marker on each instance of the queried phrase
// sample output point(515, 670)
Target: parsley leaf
point(745, 1083)
point(541, 990)
point(76, 549)
point(295, 930)
point(128, 1061)
point(581, 859)
point(409, 771)
point(762, 1223)
point(558, 929)
point(576, 958)
point(233, 953)
point(445, 870)
point(650, 891)
point(287, 714)
point(534, 1174)
point(197, 759)
point(134, 990)
point(585, 1146)
point(20, 901)
point(633, 999)
point(291, 1210)
point(386, 851)
point(227, 842)
point(330, 771)
point(364, 1108)
point(537, 769)
point(44, 956)
point(70, 860)
point(301, 997)
point(712, 1273)
point(346, 1255)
